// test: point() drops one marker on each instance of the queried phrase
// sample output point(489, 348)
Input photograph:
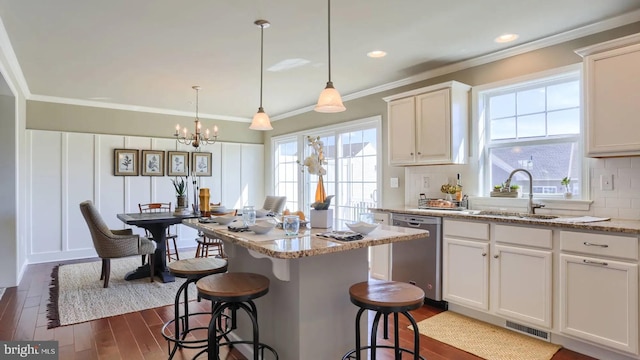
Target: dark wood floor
point(138, 335)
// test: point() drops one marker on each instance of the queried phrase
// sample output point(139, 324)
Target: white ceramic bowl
point(262, 227)
point(261, 213)
point(362, 227)
point(223, 220)
point(217, 208)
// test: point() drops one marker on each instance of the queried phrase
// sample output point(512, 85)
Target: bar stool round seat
point(192, 270)
point(234, 291)
point(386, 297)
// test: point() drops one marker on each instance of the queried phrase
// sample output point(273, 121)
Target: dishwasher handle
point(407, 224)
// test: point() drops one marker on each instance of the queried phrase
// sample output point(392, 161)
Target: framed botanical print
point(152, 163)
point(201, 163)
point(125, 162)
point(178, 163)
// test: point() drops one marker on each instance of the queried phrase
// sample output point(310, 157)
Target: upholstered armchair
point(274, 204)
point(112, 244)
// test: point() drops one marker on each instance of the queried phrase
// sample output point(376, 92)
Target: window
point(351, 151)
point(534, 125)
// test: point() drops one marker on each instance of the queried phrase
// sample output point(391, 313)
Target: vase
point(321, 195)
point(181, 201)
point(204, 200)
point(321, 219)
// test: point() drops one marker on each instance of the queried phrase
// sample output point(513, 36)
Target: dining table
point(156, 224)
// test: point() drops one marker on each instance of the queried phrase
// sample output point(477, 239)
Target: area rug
point(485, 340)
point(76, 294)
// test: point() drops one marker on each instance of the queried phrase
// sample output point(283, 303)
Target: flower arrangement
point(314, 162)
point(315, 165)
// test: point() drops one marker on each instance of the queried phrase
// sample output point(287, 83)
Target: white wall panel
point(234, 193)
point(251, 172)
point(78, 176)
point(110, 189)
point(68, 168)
point(46, 176)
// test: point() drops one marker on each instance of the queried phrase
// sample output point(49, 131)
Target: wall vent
point(538, 334)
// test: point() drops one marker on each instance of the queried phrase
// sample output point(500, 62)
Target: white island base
point(309, 316)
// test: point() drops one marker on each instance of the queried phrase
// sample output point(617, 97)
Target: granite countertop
point(613, 225)
point(276, 245)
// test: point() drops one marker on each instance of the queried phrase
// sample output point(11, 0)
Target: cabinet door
point(380, 255)
point(433, 127)
point(612, 85)
point(599, 301)
point(466, 272)
point(402, 135)
point(521, 284)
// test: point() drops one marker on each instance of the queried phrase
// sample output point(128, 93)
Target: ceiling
point(147, 54)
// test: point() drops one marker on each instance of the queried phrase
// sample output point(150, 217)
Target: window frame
point(481, 125)
point(303, 191)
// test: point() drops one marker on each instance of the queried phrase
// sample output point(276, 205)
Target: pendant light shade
point(329, 100)
point(261, 119)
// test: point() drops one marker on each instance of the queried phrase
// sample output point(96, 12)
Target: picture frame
point(152, 163)
point(178, 163)
point(201, 164)
point(125, 162)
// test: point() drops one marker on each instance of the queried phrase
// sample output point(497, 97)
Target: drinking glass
point(367, 218)
point(291, 224)
point(248, 215)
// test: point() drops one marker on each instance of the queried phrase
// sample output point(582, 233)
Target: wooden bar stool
point(386, 297)
point(233, 291)
point(192, 270)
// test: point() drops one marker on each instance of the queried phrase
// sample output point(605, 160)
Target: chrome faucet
point(531, 207)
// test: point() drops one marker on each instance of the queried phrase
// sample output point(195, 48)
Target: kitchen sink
point(517, 215)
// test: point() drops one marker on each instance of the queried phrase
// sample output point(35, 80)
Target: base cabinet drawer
point(599, 301)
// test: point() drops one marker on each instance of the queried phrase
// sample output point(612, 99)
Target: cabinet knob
point(419, 153)
point(411, 154)
point(484, 254)
point(495, 256)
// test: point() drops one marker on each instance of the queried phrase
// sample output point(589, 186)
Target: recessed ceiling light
point(376, 54)
point(506, 38)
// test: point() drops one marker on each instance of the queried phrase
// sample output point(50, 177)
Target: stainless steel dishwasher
point(419, 262)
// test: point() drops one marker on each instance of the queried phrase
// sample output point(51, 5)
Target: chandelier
point(196, 138)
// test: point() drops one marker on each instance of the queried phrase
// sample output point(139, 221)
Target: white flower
point(314, 162)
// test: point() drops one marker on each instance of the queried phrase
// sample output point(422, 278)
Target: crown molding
point(114, 106)
point(12, 63)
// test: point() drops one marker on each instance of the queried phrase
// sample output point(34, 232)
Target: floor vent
point(538, 334)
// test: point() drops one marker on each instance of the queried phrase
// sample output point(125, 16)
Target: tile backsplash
point(623, 202)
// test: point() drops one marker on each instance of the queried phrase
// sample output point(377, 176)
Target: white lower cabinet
point(599, 295)
point(521, 274)
point(465, 263)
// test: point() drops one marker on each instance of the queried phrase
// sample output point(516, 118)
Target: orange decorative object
point(321, 195)
point(204, 200)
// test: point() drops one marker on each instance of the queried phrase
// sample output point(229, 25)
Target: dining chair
point(171, 236)
point(208, 246)
point(110, 244)
point(274, 204)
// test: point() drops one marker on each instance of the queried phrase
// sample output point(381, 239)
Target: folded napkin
point(582, 219)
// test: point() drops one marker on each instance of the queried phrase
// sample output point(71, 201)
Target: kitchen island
point(307, 313)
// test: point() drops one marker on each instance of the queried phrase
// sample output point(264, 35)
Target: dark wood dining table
point(157, 224)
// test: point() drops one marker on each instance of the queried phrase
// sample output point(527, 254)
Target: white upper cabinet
point(612, 97)
point(428, 126)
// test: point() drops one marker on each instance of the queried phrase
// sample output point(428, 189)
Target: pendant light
point(261, 119)
point(329, 100)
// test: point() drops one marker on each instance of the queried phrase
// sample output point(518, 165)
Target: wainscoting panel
point(68, 168)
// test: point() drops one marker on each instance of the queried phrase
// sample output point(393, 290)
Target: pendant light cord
point(261, 60)
point(329, 35)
